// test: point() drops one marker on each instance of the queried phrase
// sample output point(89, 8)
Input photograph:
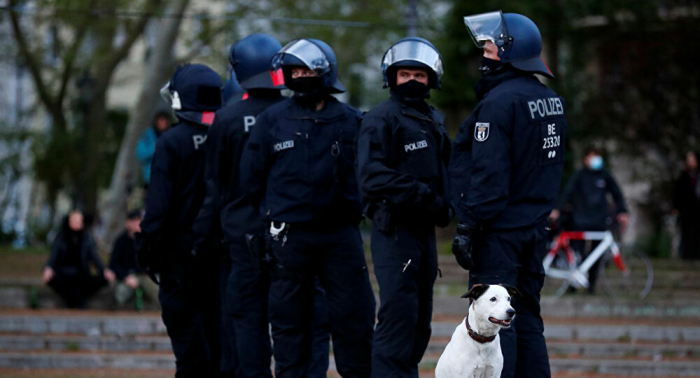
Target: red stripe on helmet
point(546, 66)
point(208, 118)
point(277, 77)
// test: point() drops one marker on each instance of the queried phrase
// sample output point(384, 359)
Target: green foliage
point(656, 245)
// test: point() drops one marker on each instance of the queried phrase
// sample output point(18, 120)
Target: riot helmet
point(193, 90)
point(518, 39)
point(313, 54)
point(251, 59)
point(412, 52)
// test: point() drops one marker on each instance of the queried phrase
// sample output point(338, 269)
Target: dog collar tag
point(476, 337)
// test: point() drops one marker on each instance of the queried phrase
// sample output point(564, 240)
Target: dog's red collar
point(476, 337)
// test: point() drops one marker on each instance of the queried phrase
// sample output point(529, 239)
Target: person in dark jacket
point(686, 203)
point(585, 197)
point(506, 167)
point(403, 153)
point(227, 207)
point(585, 202)
point(298, 170)
point(129, 277)
point(73, 253)
point(189, 278)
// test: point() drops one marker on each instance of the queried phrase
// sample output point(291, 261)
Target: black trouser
point(514, 257)
point(191, 312)
point(405, 263)
point(336, 257)
point(246, 305)
point(229, 355)
point(585, 247)
point(76, 289)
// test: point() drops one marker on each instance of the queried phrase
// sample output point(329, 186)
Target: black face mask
point(490, 66)
point(308, 91)
point(412, 90)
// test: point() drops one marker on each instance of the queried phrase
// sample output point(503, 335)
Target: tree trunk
point(158, 69)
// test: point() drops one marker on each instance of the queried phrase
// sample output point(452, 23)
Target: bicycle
point(635, 274)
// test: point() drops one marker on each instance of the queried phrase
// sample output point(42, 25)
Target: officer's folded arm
point(376, 178)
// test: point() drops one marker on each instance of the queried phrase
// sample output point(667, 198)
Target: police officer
point(208, 232)
point(298, 169)
point(189, 294)
point(506, 168)
point(245, 303)
point(403, 153)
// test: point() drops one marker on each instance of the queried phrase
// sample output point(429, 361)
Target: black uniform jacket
point(508, 156)
point(299, 164)
point(226, 205)
point(177, 189)
point(403, 155)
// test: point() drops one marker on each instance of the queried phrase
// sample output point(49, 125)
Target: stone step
point(447, 262)
point(127, 361)
point(626, 367)
point(90, 325)
point(592, 306)
point(558, 348)
point(602, 332)
point(72, 343)
point(587, 349)
point(684, 299)
point(27, 296)
point(149, 324)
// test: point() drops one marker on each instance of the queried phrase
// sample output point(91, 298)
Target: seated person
point(68, 269)
point(131, 279)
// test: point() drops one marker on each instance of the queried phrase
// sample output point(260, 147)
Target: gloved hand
point(147, 254)
point(440, 209)
point(463, 245)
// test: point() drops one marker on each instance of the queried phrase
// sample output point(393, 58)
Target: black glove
point(147, 254)
point(432, 202)
point(439, 208)
point(463, 245)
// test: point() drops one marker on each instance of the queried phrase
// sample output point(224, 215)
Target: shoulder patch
point(481, 131)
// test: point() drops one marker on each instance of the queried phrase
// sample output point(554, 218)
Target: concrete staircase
point(587, 336)
point(100, 340)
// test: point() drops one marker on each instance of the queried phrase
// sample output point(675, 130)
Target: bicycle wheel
point(557, 286)
point(636, 281)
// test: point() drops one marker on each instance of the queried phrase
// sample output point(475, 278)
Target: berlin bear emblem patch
point(481, 131)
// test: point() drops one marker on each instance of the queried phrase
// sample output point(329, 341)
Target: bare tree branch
point(132, 35)
point(72, 53)
point(31, 62)
point(205, 42)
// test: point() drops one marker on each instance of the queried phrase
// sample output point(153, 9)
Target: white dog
point(475, 349)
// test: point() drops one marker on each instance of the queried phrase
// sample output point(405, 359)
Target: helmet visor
point(416, 51)
point(487, 27)
point(309, 53)
point(170, 98)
